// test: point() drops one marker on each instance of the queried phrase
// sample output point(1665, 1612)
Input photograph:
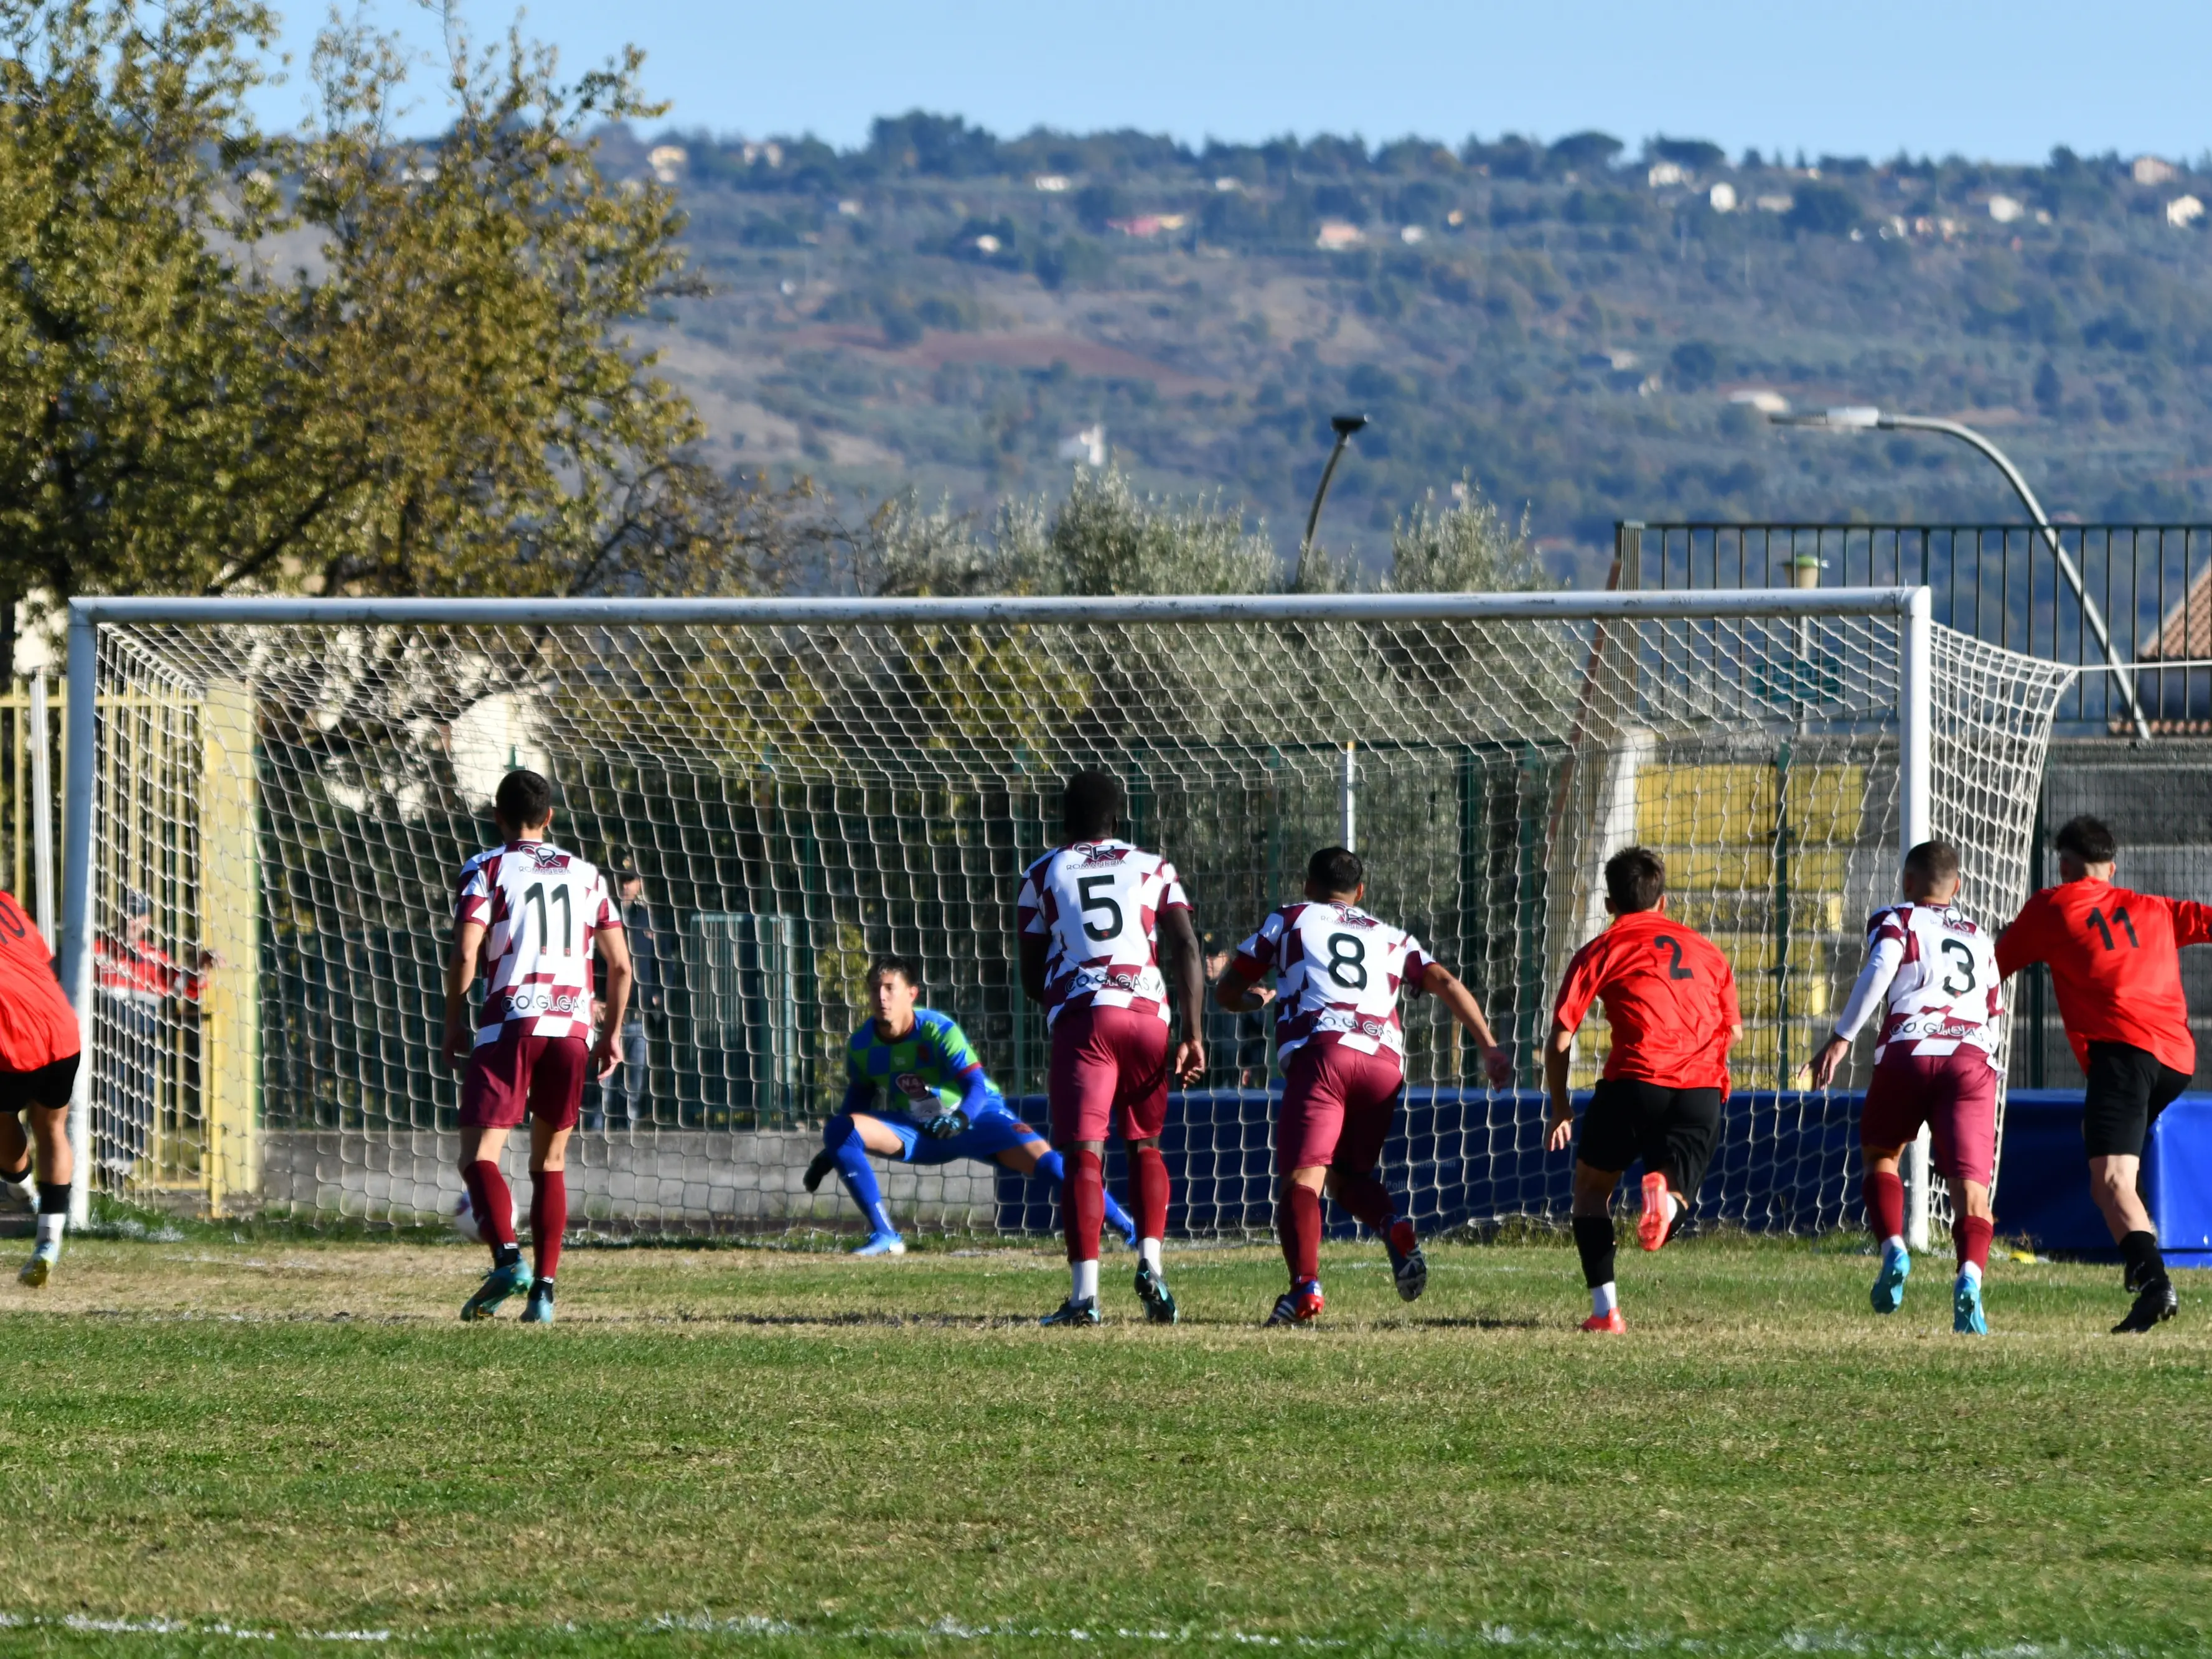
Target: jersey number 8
point(1347, 961)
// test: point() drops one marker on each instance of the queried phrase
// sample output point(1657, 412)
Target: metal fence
point(2001, 583)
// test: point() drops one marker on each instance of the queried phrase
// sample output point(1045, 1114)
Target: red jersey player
point(536, 913)
point(1088, 920)
point(1932, 972)
point(1338, 974)
point(39, 1045)
point(2114, 962)
point(1669, 996)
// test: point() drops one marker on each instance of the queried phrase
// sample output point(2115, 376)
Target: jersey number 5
point(2097, 920)
point(1088, 886)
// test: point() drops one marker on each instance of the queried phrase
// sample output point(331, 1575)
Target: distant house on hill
point(1337, 234)
point(2150, 170)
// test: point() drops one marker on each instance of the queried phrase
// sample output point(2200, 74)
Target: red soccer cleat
point(1297, 1305)
point(1611, 1324)
point(1652, 1226)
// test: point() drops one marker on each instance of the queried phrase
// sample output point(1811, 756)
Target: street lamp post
point(1344, 426)
point(1863, 419)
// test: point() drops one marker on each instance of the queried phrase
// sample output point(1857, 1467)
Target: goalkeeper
point(940, 1105)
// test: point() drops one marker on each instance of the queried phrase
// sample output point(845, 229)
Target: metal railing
point(2001, 583)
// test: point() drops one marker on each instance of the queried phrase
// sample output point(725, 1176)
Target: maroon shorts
point(1337, 1107)
point(513, 1073)
point(1955, 1094)
point(1107, 1065)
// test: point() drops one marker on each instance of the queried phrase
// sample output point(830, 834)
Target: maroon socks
point(548, 1218)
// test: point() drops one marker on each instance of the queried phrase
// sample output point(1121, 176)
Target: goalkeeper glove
point(945, 1125)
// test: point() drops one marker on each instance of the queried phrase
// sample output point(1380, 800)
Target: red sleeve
point(1580, 987)
point(1731, 1009)
point(2192, 922)
point(2023, 942)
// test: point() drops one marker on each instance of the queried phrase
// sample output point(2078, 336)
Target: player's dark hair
point(1336, 870)
point(524, 800)
point(1933, 861)
point(1092, 805)
point(905, 966)
point(2088, 839)
point(1635, 879)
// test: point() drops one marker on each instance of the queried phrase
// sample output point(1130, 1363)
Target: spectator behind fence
point(625, 1100)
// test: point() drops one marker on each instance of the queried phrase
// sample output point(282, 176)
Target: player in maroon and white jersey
point(1088, 920)
point(1338, 971)
point(532, 913)
point(1933, 973)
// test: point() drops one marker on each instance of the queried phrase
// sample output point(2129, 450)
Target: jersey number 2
point(1088, 886)
point(1674, 969)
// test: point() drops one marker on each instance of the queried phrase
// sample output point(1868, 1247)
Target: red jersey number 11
point(2097, 920)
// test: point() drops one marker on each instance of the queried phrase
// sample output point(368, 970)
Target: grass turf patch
point(790, 1452)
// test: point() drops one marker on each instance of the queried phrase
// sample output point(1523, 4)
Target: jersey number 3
point(1959, 951)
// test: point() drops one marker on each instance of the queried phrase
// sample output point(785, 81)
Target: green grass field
point(220, 1447)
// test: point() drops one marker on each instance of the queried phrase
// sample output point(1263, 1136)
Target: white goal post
point(266, 799)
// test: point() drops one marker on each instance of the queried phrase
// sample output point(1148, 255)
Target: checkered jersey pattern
point(543, 908)
point(1338, 973)
point(932, 1069)
point(1934, 973)
point(1098, 903)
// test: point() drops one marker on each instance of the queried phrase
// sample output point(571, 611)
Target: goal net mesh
point(280, 811)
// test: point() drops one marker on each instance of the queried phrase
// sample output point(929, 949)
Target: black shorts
point(1673, 1131)
point(50, 1085)
point(2128, 1087)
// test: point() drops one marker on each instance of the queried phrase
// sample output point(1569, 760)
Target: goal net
point(270, 800)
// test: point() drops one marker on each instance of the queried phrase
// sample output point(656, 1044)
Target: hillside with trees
point(1582, 332)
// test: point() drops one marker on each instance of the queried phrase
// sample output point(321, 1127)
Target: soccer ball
point(466, 1224)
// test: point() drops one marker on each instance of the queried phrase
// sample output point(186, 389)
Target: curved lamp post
point(1863, 419)
point(1344, 426)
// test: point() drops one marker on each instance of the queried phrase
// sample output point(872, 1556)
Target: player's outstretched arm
point(1557, 1053)
point(614, 950)
point(460, 974)
point(1033, 948)
point(1885, 955)
point(1440, 982)
point(1189, 992)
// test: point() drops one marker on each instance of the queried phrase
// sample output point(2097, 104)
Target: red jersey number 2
point(1674, 969)
point(2096, 920)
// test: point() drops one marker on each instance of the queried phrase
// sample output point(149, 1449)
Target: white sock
point(1085, 1275)
point(27, 1187)
point(1604, 1298)
point(1148, 1252)
point(1970, 1270)
point(1894, 1244)
point(50, 1229)
point(1670, 1208)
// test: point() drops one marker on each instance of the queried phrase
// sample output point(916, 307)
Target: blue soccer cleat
point(1888, 1295)
point(498, 1284)
point(1152, 1290)
point(1967, 1306)
point(1082, 1315)
point(538, 1310)
point(883, 1244)
point(1409, 1268)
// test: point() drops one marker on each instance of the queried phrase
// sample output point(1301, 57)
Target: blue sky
point(2002, 81)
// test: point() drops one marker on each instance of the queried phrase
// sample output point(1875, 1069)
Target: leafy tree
point(1697, 155)
point(1823, 210)
point(1463, 548)
point(1585, 149)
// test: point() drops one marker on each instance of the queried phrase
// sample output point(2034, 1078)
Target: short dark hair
point(524, 799)
point(1635, 879)
point(1092, 805)
point(624, 875)
point(1933, 861)
point(1336, 870)
point(892, 963)
point(2088, 839)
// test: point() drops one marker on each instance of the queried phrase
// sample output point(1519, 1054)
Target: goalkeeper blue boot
point(1152, 1290)
point(1967, 1306)
point(512, 1279)
point(538, 1310)
point(1889, 1284)
point(883, 1244)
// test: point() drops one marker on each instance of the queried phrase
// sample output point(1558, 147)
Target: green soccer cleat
point(1966, 1317)
point(498, 1285)
point(40, 1267)
point(538, 1310)
point(1889, 1293)
point(1152, 1290)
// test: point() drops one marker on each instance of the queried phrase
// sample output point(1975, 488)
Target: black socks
point(54, 1199)
point(1594, 1238)
point(2145, 1263)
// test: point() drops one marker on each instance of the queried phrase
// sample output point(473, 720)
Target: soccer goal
point(267, 801)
